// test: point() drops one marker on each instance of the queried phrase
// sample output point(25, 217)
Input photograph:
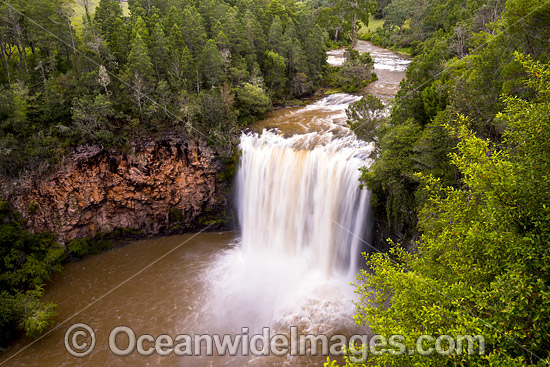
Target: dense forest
point(460, 183)
point(199, 67)
point(111, 72)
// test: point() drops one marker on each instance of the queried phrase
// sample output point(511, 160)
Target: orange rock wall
point(98, 190)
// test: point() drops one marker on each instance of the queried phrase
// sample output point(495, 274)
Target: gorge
point(303, 221)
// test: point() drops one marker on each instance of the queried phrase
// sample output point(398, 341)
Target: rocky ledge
point(157, 187)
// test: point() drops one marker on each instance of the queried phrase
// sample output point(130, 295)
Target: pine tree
point(119, 41)
point(106, 14)
point(212, 64)
point(140, 28)
point(276, 38)
point(193, 30)
point(139, 71)
point(159, 51)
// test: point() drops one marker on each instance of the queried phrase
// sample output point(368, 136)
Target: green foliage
point(252, 101)
point(91, 116)
point(125, 75)
point(365, 117)
point(212, 64)
point(40, 318)
point(481, 264)
point(463, 65)
point(391, 177)
point(356, 72)
point(106, 14)
point(26, 261)
point(275, 77)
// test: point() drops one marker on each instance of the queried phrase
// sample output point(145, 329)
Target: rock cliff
point(163, 186)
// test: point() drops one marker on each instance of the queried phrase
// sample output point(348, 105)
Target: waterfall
point(303, 219)
point(300, 197)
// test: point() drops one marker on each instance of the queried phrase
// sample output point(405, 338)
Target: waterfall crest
point(300, 197)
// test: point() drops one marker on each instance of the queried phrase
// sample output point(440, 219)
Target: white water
point(303, 218)
point(299, 197)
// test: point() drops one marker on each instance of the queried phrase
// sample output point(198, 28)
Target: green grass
point(374, 24)
point(79, 13)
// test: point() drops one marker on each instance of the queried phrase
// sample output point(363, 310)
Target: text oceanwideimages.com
point(80, 341)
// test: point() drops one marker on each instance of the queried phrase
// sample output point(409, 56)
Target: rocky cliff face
point(157, 187)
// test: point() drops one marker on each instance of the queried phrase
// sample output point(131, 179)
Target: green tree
point(26, 261)
point(106, 14)
point(193, 30)
point(356, 11)
point(252, 101)
point(91, 118)
point(327, 18)
point(275, 73)
point(481, 265)
point(356, 71)
point(139, 71)
point(140, 28)
point(232, 27)
point(159, 51)
point(119, 41)
point(212, 64)
point(277, 41)
point(365, 117)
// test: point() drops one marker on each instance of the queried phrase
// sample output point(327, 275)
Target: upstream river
point(303, 224)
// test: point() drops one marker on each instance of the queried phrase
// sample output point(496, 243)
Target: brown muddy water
point(302, 216)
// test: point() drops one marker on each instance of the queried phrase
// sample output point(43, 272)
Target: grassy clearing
point(374, 24)
point(80, 12)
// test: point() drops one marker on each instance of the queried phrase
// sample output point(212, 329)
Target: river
point(302, 217)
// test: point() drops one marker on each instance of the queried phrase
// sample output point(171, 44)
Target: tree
point(365, 116)
point(91, 117)
point(275, 71)
point(212, 64)
point(356, 71)
point(139, 71)
point(106, 14)
point(328, 19)
point(355, 11)
point(193, 30)
point(481, 265)
point(26, 261)
point(119, 41)
point(140, 28)
point(232, 27)
point(252, 101)
point(277, 41)
point(397, 12)
point(159, 51)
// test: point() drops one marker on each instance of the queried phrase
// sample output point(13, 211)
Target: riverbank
point(147, 164)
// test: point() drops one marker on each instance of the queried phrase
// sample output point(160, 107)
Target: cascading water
point(299, 197)
point(290, 266)
point(302, 216)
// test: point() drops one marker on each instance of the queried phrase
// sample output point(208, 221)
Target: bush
point(252, 101)
point(26, 262)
